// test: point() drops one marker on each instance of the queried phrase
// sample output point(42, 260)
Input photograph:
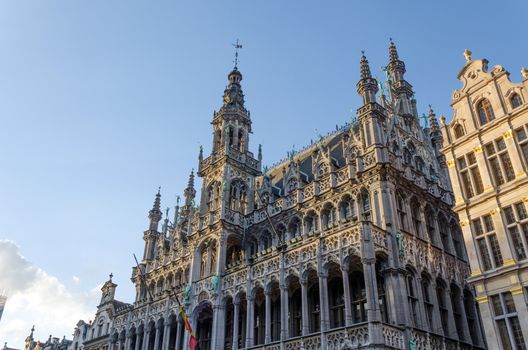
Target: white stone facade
point(349, 243)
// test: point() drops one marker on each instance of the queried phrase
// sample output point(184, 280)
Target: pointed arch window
point(238, 196)
point(402, 212)
point(485, 111)
point(515, 101)
point(365, 204)
point(407, 157)
point(241, 140)
point(420, 165)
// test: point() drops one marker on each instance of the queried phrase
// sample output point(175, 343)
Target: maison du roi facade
point(486, 147)
point(349, 243)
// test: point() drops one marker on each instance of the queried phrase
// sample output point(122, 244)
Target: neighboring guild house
point(486, 146)
point(52, 343)
point(95, 335)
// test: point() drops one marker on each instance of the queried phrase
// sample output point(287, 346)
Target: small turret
point(367, 86)
point(155, 212)
point(190, 192)
point(108, 290)
point(435, 133)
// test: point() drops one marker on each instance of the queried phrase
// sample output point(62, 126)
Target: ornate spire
point(233, 95)
point(393, 52)
point(365, 69)
point(176, 211)
point(433, 123)
point(396, 66)
point(155, 212)
point(366, 86)
point(190, 192)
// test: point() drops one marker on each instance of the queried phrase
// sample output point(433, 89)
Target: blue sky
point(101, 101)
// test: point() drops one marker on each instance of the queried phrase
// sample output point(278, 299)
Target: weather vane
point(237, 46)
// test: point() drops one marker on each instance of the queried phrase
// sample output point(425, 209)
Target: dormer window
point(485, 111)
point(459, 131)
point(515, 101)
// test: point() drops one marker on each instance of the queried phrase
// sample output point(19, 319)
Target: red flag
point(193, 342)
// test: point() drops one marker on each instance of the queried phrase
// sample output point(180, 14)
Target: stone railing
point(393, 337)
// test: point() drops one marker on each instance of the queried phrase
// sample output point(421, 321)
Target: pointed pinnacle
point(393, 52)
point(364, 67)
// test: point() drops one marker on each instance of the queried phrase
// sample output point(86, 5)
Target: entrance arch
point(203, 314)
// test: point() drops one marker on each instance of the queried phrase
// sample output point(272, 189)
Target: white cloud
point(76, 279)
point(36, 298)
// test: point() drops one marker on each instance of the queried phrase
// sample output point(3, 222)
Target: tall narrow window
point(442, 306)
point(430, 224)
point(507, 321)
point(485, 111)
point(428, 301)
point(522, 140)
point(470, 175)
point(416, 217)
point(517, 225)
point(456, 298)
point(412, 297)
point(499, 160)
point(402, 212)
point(515, 101)
point(365, 203)
point(487, 242)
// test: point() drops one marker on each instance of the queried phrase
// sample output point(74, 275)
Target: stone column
point(139, 340)
point(128, 340)
point(323, 297)
point(520, 307)
point(111, 342)
point(166, 334)
point(348, 303)
point(250, 320)
point(236, 316)
point(457, 184)
point(267, 336)
point(179, 326)
point(157, 337)
point(371, 287)
point(304, 306)
point(465, 325)
point(218, 332)
point(285, 320)
point(488, 323)
point(146, 336)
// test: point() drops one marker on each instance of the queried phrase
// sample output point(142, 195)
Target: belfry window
point(485, 111)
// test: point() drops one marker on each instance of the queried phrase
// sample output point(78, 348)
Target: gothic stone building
point(349, 243)
point(487, 152)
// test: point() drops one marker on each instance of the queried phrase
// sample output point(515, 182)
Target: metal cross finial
point(237, 46)
point(111, 275)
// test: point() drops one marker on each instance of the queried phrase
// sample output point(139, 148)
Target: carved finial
point(524, 72)
point(111, 276)
point(467, 55)
point(237, 46)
